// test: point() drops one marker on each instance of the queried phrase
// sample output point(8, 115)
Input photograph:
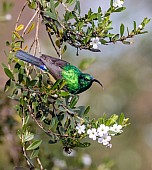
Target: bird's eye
point(86, 78)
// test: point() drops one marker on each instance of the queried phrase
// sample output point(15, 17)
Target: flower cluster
point(118, 3)
point(94, 42)
point(102, 134)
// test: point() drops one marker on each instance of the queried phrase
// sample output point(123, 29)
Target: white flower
point(8, 17)
point(80, 128)
point(86, 160)
point(109, 145)
point(116, 128)
point(118, 3)
point(102, 129)
point(92, 133)
point(94, 42)
point(105, 139)
point(140, 26)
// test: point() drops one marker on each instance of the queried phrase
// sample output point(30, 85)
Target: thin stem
point(37, 33)
point(19, 16)
point(30, 22)
point(40, 164)
point(41, 126)
point(65, 6)
point(53, 44)
point(30, 164)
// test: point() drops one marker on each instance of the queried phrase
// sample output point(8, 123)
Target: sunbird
point(76, 81)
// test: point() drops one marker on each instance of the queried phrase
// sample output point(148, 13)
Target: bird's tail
point(29, 58)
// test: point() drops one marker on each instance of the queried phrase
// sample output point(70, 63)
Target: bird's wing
point(54, 65)
point(55, 61)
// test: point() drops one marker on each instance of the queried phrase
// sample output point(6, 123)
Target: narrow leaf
point(31, 28)
point(56, 84)
point(86, 110)
point(16, 34)
point(74, 101)
point(8, 73)
point(34, 145)
point(19, 28)
point(34, 154)
point(28, 137)
point(121, 118)
point(122, 28)
point(7, 85)
point(135, 27)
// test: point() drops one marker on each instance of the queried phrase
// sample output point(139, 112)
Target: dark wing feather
point(29, 58)
point(54, 65)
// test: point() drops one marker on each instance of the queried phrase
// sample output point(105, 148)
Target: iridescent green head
point(85, 81)
point(76, 81)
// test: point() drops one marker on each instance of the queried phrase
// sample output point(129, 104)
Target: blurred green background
point(126, 73)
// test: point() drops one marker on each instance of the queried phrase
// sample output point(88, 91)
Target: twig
point(30, 22)
point(30, 164)
point(41, 126)
point(60, 51)
point(19, 16)
point(53, 44)
point(40, 164)
point(27, 159)
point(65, 6)
point(37, 44)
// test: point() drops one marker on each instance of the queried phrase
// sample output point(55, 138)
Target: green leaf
point(28, 137)
point(86, 110)
point(32, 4)
point(122, 28)
point(64, 94)
point(74, 101)
point(51, 15)
point(20, 77)
point(31, 28)
point(77, 7)
point(7, 43)
point(27, 81)
point(64, 49)
point(126, 42)
point(115, 37)
point(99, 9)
point(19, 28)
point(7, 85)
point(104, 42)
point(83, 145)
point(111, 3)
point(135, 26)
point(34, 145)
point(99, 17)
point(56, 84)
point(120, 9)
point(121, 118)
point(32, 83)
point(34, 154)
point(112, 119)
point(8, 73)
point(52, 6)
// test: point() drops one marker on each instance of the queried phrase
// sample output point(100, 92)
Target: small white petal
point(140, 26)
point(94, 42)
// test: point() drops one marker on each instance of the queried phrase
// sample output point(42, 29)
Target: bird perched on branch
point(76, 81)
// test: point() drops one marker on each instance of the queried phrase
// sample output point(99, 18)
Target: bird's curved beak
point(95, 80)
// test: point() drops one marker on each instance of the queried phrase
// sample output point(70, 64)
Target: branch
point(19, 16)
